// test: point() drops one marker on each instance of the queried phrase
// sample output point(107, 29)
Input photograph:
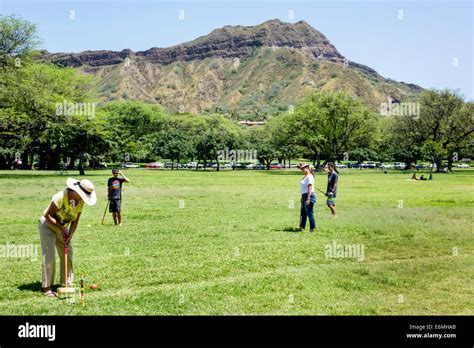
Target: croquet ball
point(93, 286)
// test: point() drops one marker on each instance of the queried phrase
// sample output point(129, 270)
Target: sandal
point(50, 293)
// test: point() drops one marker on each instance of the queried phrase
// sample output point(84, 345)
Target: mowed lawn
point(229, 247)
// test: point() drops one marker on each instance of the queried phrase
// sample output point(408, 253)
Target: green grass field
point(232, 248)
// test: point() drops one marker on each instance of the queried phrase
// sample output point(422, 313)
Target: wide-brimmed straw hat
point(84, 188)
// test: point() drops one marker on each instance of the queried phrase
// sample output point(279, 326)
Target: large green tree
point(330, 125)
point(133, 125)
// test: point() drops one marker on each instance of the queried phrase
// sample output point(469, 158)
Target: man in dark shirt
point(331, 188)
point(114, 193)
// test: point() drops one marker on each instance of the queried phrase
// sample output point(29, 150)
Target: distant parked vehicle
point(276, 166)
point(462, 165)
point(193, 165)
point(289, 166)
point(175, 165)
point(238, 166)
point(399, 165)
point(353, 165)
point(420, 166)
point(370, 165)
point(260, 166)
point(250, 166)
point(386, 166)
point(340, 165)
point(127, 165)
point(154, 165)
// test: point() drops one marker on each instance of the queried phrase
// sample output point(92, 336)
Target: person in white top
point(308, 197)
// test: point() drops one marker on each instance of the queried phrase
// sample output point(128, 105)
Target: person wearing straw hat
point(308, 197)
point(57, 227)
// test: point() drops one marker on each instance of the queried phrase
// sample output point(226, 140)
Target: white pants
point(51, 239)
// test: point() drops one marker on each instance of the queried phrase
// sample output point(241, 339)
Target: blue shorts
point(330, 200)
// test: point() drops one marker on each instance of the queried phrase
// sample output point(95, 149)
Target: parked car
point(154, 165)
point(399, 165)
point(260, 166)
point(340, 165)
point(420, 166)
point(174, 165)
point(462, 165)
point(127, 165)
point(369, 165)
point(250, 166)
point(353, 165)
point(386, 166)
point(276, 166)
point(193, 165)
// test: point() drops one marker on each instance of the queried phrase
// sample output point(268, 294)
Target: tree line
point(49, 117)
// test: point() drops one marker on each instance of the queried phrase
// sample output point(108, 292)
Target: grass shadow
point(288, 229)
point(36, 286)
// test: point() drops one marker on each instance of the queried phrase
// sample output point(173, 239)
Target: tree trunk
point(450, 164)
point(439, 164)
point(81, 164)
point(42, 160)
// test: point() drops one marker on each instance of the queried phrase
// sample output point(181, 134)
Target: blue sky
point(429, 43)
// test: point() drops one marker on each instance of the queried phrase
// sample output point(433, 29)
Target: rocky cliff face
point(227, 42)
point(243, 69)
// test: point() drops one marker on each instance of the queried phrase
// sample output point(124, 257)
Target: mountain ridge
point(208, 72)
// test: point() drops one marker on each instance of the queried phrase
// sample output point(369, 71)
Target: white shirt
point(308, 179)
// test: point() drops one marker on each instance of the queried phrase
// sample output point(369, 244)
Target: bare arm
point(72, 229)
point(50, 217)
point(123, 176)
point(334, 188)
point(310, 189)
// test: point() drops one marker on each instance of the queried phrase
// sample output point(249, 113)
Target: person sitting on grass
point(331, 189)
point(114, 193)
point(413, 177)
point(57, 226)
point(422, 177)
